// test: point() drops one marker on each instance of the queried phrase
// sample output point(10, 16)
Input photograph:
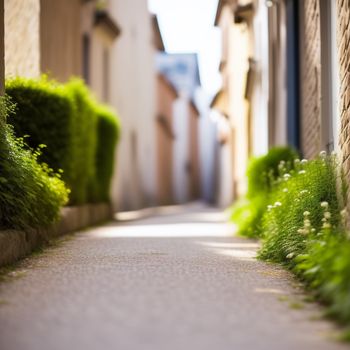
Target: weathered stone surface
point(16, 244)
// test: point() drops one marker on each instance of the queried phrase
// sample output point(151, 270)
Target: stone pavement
point(175, 280)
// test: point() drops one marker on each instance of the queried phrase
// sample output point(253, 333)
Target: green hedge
point(83, 133)
point(31, 194)
point(44, 112)
point(65, 118)
point(107, 134)
point(262, 172)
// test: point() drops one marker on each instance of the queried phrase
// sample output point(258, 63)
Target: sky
point(188, 26)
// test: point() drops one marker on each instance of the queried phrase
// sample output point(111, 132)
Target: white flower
point(343, 213)
point(327, 214)
point(301, 231)
point(278, 204)
point(313, 230)
point(306, 213)
point(326, 225)
point(307, 223)
point(303, 191)
point(303, 161)
point(323, 154)
point(301, 172)
point(333, 153)
point(286, 177)
point(296, 161)
point(290, 256)
point(324, 204)
point(285, 190)
point(269, 207)
point(281, 165)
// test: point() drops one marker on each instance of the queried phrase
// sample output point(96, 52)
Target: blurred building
point(167, 96)
point(60, 38)
point(230, 101)
point(78, 38)
point(134, 94)
point(208, 150)
point(194, 160)
point(181, 70)
point(158, 156)
point(305, 72)
point(285, 76)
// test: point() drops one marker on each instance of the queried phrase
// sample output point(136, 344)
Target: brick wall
point(310, 78)
point(343, 43)
point(22, 51)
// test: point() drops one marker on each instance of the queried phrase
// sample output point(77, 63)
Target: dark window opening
point(86, 58)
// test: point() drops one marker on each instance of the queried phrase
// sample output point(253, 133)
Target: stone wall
point(16, 244)
point(343, 43)
point(22, 43)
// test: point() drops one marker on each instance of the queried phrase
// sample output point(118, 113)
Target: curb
point(16, 244)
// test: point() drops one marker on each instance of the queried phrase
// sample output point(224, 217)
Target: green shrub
point(325, 267)
point(305, 229)
point(84, 141)
point(107, 135)
point(262, 173)
point(31, 194)
point(44, 112)
point(296, 192)
point(247, 214)
point(63, 118)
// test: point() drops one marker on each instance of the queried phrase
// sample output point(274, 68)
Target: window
point(105, 74)
point(86, 58)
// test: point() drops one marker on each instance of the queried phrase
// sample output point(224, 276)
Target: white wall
point(181, 149)
point(261, 88)
point(133, 95)
point(207, 156)
point(237, 67)
point(224, 163)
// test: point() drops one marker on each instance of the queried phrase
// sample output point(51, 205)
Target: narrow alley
point(174, 279)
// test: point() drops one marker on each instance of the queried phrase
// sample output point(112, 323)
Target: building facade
point(133, 92)
point(296, 55)
point(166, 97)
point(181, 70)
point(244, 97)
point(78, 38)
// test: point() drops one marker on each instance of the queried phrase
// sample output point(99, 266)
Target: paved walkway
point(174, 281)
